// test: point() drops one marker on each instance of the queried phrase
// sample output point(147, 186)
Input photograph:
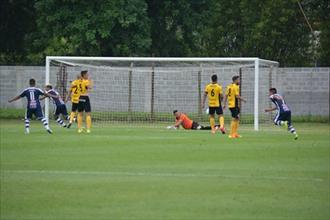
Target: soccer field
point(125, 172)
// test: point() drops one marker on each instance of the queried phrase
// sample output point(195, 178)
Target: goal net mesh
point(147, 92)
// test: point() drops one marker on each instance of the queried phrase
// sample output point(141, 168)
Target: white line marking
point(183, 175)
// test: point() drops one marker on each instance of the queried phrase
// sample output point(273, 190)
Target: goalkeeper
point(183, 120)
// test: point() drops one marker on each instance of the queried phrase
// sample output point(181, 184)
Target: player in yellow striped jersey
point(213, 92)
point(233, 96)
point(74, 95)
point(84, 85)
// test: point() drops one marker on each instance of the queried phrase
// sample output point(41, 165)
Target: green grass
point(142, 172)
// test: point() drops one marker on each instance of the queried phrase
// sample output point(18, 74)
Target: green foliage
point(91, 28)
point(271, 29)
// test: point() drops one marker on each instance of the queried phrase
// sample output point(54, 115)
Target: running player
point(213, 92)
point(283, 116)
point(60, 105)
point(33, 105)
point(232, 95)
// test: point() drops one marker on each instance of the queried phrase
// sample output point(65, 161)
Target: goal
point(147, 89)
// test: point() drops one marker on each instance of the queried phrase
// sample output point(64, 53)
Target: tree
point(17, 19)
point(268, 29)
point(90, 28)
point(171, 27)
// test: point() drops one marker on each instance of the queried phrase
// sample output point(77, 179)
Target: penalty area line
point(147, 174)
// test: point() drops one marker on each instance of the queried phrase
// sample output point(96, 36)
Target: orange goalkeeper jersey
point(186, 122)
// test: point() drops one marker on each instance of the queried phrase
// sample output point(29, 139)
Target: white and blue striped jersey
point(279, 102)
point(57, 101)
point(32, 95)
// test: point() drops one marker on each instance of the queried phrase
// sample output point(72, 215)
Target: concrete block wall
point(306, 90)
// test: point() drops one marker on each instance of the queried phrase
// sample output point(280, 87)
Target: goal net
point(147, 90)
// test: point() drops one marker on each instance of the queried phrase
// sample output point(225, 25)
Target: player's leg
point(81, 108)
point(212, 119)
point(196, 126)
point(237, 120)
point(221, 120)
point(58, 112)
point(88, 115)
point(79, 121)
point(279, 119)
point(232, 123)
point(88, 122)
point(290, 126)
point(60, 121)
point(64, 112)
point(40, 116)
point(236, 128)
point(73, 114)
point(28, 115)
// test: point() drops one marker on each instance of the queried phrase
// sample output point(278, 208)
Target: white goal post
point(205, 65)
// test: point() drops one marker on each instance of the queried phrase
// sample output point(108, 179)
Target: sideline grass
point(120, 172)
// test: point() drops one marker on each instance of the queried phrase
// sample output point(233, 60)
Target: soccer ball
point(207, 111)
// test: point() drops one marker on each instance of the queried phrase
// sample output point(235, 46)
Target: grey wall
point(306, 90)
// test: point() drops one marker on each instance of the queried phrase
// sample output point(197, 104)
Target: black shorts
point(34, 111)
point(217, 110)
point(84, 104)
point(61, 109)
point(74, 107)
point(235, 112)
point(283, 116)
point(195, 126)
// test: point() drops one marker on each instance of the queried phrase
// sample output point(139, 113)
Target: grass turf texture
point(120, 172)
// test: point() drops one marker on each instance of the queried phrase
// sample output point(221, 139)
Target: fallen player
point(183, 120)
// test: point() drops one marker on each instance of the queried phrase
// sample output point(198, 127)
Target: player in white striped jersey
point(33, 106)
point(60, 106)
point(283, 115)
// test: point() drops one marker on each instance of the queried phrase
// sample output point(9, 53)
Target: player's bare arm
point(51, 95)
point(90, 85)
point(270, 109)
point(178, 123)
point(14, 99)
point(224, 102)
point(67, 97)
point(240, 98)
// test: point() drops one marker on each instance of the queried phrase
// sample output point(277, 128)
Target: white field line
point(147, 174)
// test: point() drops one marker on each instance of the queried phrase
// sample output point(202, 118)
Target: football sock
point(236, 126)
point(292, 129)
point(79, 120)
point(232, 127)
point(60, 122)
point(88, 121)
point(44, 121)
point(27, 125)
point(72, 115)
point(212, 122)
point(222, 121)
